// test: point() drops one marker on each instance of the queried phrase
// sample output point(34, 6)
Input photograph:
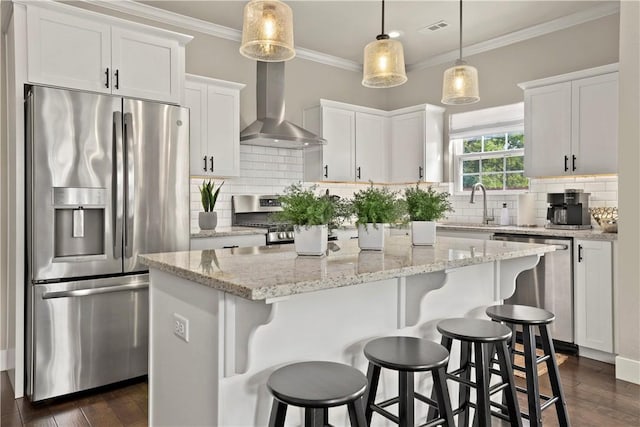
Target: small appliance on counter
point(568, 210)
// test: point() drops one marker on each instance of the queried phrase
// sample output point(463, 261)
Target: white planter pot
point(311, 240)
point(207, 220)
point(423, 233)
point(371, 237)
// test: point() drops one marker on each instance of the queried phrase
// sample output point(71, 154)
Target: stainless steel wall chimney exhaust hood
point(271, 129)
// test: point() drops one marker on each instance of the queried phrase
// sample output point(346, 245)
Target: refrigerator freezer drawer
point(87, 334)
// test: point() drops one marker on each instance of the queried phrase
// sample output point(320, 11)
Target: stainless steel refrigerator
point(107, 179)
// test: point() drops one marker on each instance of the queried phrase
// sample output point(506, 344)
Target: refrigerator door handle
point(96, 291)
point(130, 185)
point(117, 185)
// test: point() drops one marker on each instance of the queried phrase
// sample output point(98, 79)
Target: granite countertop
point(228, 231)
point(258, 273)
point(592, 234)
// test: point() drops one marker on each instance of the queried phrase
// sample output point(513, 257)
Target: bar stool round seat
point(528, 319)
point(475, 330)
point(480, 340)
point(406, 353)
point(520, 314)
point(317, 386)
point(406, 356)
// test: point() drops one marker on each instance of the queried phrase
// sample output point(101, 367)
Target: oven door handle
point(96, 291)
point(561, 247)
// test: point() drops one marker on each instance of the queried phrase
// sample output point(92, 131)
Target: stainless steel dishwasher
point(549, 284)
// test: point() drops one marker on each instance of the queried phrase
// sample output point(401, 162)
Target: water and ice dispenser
point(79, 221)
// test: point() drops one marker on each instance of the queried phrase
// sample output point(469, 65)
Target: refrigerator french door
point(107, 179)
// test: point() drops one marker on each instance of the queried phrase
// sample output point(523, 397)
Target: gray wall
point(628, 293)
point(4, 323)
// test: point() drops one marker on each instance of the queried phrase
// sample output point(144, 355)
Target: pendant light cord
point(382, 17)
point(460, 30)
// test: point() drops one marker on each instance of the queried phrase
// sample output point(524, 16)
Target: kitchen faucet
point(485, 217)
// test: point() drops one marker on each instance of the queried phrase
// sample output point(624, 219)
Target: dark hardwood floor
point(594, 396)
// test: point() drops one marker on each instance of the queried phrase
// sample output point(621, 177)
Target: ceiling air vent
point(433, 27)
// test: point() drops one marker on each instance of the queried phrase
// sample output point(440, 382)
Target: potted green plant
point(310, 214)
point(374, 207)
point(208, 219)
point(424, 209)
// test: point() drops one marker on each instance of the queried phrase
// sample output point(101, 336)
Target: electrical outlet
point(181, 327)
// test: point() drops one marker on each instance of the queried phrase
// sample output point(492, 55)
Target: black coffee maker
point(568, 210)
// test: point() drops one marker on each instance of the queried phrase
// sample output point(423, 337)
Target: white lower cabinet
point(593, 298)
point(223, 242)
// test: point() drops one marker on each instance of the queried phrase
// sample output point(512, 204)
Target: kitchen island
point(248, 311)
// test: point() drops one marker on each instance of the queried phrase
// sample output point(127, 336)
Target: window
point(488, 147)
point(496, 160)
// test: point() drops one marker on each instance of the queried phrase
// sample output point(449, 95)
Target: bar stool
point(486, 338)
point(529, 318)
point(408, 355)
point(317, 386)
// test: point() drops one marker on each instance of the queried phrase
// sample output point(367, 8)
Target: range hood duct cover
point(271, 129)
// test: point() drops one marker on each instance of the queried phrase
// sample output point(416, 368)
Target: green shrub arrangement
point(428, 205)
point(208, 195)
point(377, 206)
point(302, 207)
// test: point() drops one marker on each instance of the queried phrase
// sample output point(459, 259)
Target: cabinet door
point(595, 124)
point(338, 128)
point(407, 147)
point(223, 131)
point(68, 51)
point(594, 295)
point(371, 149)
point(196, 100)
point(145, 66)
point(547, 129)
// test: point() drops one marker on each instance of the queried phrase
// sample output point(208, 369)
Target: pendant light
point(267, 31)
point(460, 84)
point(383, 62)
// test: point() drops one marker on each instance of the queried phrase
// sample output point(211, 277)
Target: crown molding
point(142, 10)
point(558, 24)
point(171, 18)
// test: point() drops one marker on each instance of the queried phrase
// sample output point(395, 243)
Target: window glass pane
point(473, 145)
point(471, 166)
point(515, 163)
point(493, 165)
point(493, 181)
point(517, 181)
point(516, 140)
point(468, 181)
point(494, 142)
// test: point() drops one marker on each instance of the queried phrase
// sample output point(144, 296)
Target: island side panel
point(183, 376)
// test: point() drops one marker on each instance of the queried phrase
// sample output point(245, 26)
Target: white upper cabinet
point(356, 143)
point(416, 144)
point(371, 147)
point(214, 126)
point(366, 144)
point(72, 48)
point(571, 123)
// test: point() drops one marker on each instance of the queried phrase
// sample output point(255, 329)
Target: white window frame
point(484, 123)
point(459, 157)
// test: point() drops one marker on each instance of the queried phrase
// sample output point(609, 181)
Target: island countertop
point(259, 273)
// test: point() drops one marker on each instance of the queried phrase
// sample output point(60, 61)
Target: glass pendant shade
point(267, 31)
point(384, 64)
point(460, 85)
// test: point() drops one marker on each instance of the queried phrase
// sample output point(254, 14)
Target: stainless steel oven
point(549, 284)
point(257, 211)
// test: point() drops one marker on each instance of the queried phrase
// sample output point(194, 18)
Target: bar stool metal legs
point(529, 318)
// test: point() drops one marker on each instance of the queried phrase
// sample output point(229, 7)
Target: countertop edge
point(284, 290)
point(228, 231)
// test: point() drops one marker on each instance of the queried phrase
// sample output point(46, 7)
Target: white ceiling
point(343, 28)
